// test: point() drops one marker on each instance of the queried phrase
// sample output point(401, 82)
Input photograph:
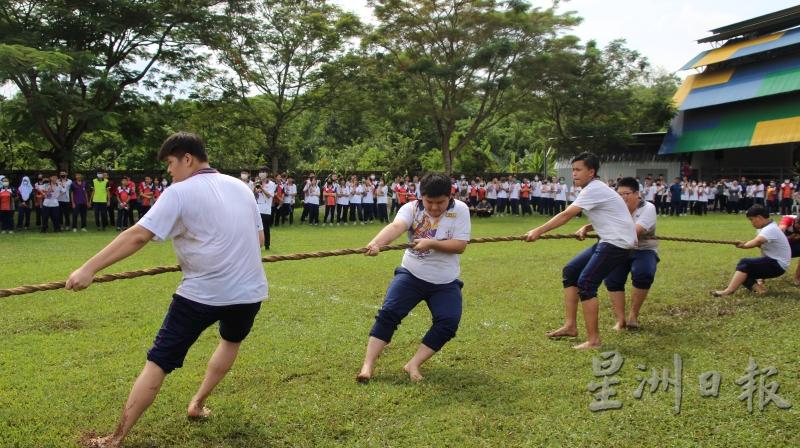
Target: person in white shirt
point(356, 210)
point(776, 254)
point(502, 197)
point(438, 227)
point(491, 193)
point(758, 192)
point(64, 202)
point(368, 203)
point(513, 195)
point(612, 221)
point(536, 194)
point(342, 202)
point(289, 195)
point(264, 190)
point(382, 200)
point(642, 263)
point(223, 280)
point(51, 189)
point(312, 202)
point(560, 203)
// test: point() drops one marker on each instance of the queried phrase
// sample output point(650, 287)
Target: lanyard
point(204, 171)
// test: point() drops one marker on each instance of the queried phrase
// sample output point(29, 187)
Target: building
point(740, 114)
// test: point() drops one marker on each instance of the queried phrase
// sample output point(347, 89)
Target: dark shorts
point(186, 319)
point(759, 268)
point(641, 265)
point(588, 269)
point(795, 245)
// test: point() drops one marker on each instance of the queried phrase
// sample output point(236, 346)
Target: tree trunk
point(446, 155)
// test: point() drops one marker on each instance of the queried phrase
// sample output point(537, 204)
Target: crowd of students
point(65, 202)
point(342, 200)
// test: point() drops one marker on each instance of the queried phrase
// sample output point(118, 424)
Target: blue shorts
point(186, 319)
point(405, 292)
point(642, 267)
point(759, 268)
point(588, 269)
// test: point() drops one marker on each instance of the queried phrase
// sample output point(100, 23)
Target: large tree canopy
point(464, 57)
point(72, 61)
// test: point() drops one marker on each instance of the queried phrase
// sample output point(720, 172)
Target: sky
point(665, 31)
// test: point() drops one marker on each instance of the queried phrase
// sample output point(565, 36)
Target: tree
point(463, 57)
point(73, 61)
point(284, 51)
point(596, 98)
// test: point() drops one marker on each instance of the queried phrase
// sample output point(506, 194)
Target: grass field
point(67, 360)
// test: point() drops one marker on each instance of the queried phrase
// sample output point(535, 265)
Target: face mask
point(5, 183)
point(99, 176)
point(262, 175)
point(536, 178)
point(371, 177)
point(164, 183)
point(245, 176)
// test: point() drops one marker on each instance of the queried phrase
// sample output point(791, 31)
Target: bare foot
point(413, 373)
point(197, 411)
point(759, 289)
point(632, 324)
point(563, 332)
point(101, 442)
point(587, 346)
point(619, 326)
point(722, 293)
point(365, 375)
point(796, 282)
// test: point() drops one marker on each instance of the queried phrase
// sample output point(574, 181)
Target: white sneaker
point(74, 230)
point(83, 229)
point(10, 231)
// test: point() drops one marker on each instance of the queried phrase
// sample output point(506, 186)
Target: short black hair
point(589, 159)
point(757, 210)
point(629, 182)
point(181, 143)
point(434, 185)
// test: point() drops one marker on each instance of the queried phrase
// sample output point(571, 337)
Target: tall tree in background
point(284, 52)
point(462, 56)
point(73, 61)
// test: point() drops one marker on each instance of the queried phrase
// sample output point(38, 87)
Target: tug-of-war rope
point(28, 289)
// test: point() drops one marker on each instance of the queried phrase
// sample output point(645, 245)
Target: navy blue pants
point(795, 245)
point(186, 319)
point(641, 265)
point(588, 269)
point(759, 268)
point(405, 292)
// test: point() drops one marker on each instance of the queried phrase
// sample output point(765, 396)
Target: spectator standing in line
point(79, 198)
point(26, 196)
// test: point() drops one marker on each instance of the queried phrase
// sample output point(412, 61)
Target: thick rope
point(27, 289)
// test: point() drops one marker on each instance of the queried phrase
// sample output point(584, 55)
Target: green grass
point(67, 360)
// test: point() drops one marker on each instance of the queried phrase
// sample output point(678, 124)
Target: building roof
point(768, 23)
point(741, 48)
point(757, 122)
point(755, 80)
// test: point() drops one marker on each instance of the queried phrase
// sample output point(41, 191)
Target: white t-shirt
point(650, 193)
point(515, 187)
point(608, 214)
point(382, 194)
point(777, 245)
point(263, 203)
point(358, 191)
point(218, 252)
point(312, 195)
point(434, 266)
point(502, 192)
point(66, 187)
point(491, 191)
point(536, 189)
point(561, 192)
point(645, 216)
point(369, 194)
point(759, 189)
point(289, 192)
point(345, 198)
